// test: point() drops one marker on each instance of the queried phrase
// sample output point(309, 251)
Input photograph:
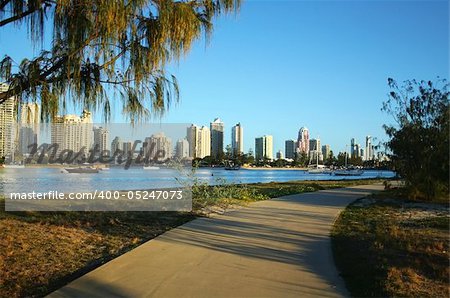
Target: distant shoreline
point(276, 169)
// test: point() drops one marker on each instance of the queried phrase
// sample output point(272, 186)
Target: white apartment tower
point(217, 128)
point(7, 124)
point(101, 138)
point(369, 148)
point(159, 146)
point(264, 147)
point(199, 139)
point(182, 149)
point(237, 139)
point(29, 126)
point(73, 132)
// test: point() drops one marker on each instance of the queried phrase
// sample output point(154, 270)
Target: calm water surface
point(51, 179)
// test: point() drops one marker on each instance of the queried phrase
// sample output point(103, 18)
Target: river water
point(51, 179)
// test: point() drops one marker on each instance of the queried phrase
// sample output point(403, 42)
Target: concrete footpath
point(275, 248)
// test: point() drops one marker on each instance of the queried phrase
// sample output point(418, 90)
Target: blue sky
point(280, 65)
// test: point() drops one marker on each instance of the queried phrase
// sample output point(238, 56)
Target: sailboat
point(318, 169)
point(348, 171)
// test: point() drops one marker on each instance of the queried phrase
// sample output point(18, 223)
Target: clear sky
point(281, 65)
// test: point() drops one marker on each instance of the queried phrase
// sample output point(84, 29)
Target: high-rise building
point(289, 149)
point(368, 148)
point(362, 153)
point(116, 144)
point(280, 154)
point(71, 132)
point(357, 150)
point(217, 128)
point(314, 145)
point(127, 148)
point(352, 147)
point(303, 140)
point(29, 127)
point(315, 150)
point(7, 125)
point(264, 147)
point(159, 147)
point(237, 139)
point(101, 138)
point(182, 149)
point(326, 151)
point(199, 139)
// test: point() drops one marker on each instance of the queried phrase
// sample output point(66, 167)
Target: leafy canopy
point(121, 46)
point(419, 141)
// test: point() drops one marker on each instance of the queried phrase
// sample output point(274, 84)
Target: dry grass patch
point(41, 251)
point(387, 246)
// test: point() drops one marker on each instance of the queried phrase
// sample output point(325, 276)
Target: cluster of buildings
point(311, 147)
point(204, 141)
point(17, 134)
point(200, 142)
point(73, 132)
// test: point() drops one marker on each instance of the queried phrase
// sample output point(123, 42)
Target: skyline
point(326, 64)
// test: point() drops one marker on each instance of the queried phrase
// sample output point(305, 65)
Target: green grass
point(393, 247)
point(41, 251)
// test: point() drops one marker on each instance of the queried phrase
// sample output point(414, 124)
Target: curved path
point(275, 248)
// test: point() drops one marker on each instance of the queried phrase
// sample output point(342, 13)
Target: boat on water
point(348, 172)
point(316, 168)
point(151, 168)
point(13, 166)
point(233, 168)
point(82, 170)
point(319, 170)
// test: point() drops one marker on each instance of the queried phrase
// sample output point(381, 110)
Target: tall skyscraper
point(116, 144)
point(182, 149)
point(217, 128)
point(73, 132)
point(314, 145)
point(29, 127)
point(237, 139)
point(326, 151)
point(101, 138)
point(368, 150)
point(159, 146)
point(289, 149)
point(264, 147)
point(352, 147)
point(127, 148)
point(315, 150)
point(7, 125)
point(199, 139)
point(303, 140)
point(357, 150)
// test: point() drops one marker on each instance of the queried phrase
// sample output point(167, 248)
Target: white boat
point(82, 170)
point(150, 168)
point(13, 166)
point(318, 169)
point(233, 168)
point(349, 172)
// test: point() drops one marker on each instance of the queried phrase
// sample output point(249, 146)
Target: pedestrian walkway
point(274, 248)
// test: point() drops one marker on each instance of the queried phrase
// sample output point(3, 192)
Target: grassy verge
point(41, 251)
point(387, 246)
